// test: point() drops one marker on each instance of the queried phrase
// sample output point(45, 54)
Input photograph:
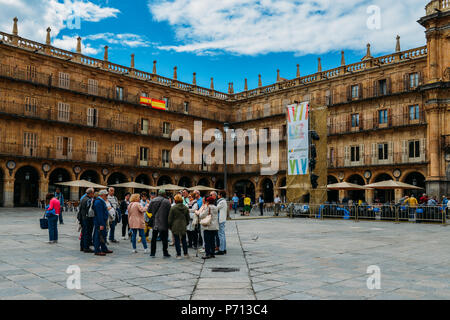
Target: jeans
point(86, 233)
point(235, 207)
point(141, 234)
point(100, 244)
point(112, 230)
point(53, 228)
point(210, 235)
point(177, 244)
point(277, 208)
point(164, 238)
point(125, 225)
point(192, 238)
point(261, 208)
point(60, 216)
point(223, 241)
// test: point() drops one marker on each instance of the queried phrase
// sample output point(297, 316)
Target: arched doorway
point(57, 176)
point(333, 195)
point(283, 191)
point(164, 180)
point(244, 187)
point(219, 185)
point(357, 195)
point(416, 179)
point(117, 178)
point(2, 201)
point(26, 187)
point(142, 179)
point(185, 182)
point(91, 176)
point(267, 190)
point(383, 196)
point(203, 182)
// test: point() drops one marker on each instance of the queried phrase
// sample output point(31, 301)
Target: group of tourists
point(247, 201)
point(194, 222)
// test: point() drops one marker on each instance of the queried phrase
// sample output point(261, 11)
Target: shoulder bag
point(206, 221)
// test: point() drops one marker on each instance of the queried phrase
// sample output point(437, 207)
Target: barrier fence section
point(395, 213)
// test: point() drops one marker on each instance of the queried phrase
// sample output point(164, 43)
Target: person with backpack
point(86, 217)
point(52, 211)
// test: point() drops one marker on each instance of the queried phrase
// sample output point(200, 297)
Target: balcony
point(52, 81)
point(372, 123)
point(396, 158)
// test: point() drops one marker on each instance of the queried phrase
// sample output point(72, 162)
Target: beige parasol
point(202, 188)
point(345, 186)
point(391, 184)
point(81, 184)
point(169, 187)
point(133, 185)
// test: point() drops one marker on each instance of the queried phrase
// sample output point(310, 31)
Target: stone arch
point(185, 182)
point(416, 179)
point(60, 175)
point(357, 195)
point(383, 195)
point(242, 187)
point(117, 178)
point(267, 189)
point(204, 182)
point(219, 184)
point(26, 186)
point(143, 179)
point(91, 176)
point(164, 180)
point(281, 192)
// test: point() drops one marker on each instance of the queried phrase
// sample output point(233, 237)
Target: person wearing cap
point(100, 221)
point(160, 208)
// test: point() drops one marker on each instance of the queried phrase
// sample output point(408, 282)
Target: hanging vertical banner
point(298, 139)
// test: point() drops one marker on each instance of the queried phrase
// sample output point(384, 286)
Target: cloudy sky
point(226, 39)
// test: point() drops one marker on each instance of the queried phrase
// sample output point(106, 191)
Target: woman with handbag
point(210, 222)
point(52, 211)
point(136, 220)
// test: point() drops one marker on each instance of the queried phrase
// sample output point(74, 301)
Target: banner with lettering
point(298, 139)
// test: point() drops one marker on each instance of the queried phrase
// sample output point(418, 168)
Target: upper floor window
point(355, 154)
point(118, 150)
point(64, 80)
point(355, 92)
point(92, 117)
point(63, 111)
point(186, 107)
point(165, 156)
point(119, 93)
point(414, 113)
point(64, 145)
point(144, 126)
point(382, 87)
point(29, 140)
point(355, 120)
point(414, 149)
point(413, 80)
point(30, 105)
point(383, 151)
point(382, 116)
point(31, 72)
point(143, 154)
point(144, 94)
point(92, 87)
point(166, 128)
point(166, 101)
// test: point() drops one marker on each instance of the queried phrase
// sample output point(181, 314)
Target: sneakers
point(146, 251)
point(220, 253)
point(167, 255)
point(202, 250)
point(102, 254)
point(134, 251)
point(186, 255)
point(178, 258)
point(108, 251)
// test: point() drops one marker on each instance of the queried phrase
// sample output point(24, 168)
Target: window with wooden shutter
point(374, 154)
point(92, 87)
point(423, 149)
point(405, 156)
point(31, 73)
point(30, 144)
point(92, 117)
point(347, 156)
point(64, 80)
point(63, 112)
point(91, 150)
point(30, 106)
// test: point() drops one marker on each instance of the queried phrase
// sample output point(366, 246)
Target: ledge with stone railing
point(442, 5)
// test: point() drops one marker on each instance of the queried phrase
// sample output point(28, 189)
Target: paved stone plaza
point(277, 259)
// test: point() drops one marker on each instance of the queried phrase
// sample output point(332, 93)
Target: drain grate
point(225, 269)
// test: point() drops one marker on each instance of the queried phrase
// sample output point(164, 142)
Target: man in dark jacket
point(87, 223)
point(160, 208)
point(100, 220)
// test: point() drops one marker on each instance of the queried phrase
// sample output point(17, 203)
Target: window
point(166, 128)
point(92, 87)
point(144, 126)
point(118, 150)
point(119, 93)
point(354, 155)
point(186, 107)
point(165, 156)
point(383, 151)
point(91, 147)
point(30, 105)
point(92, 117)
point(143, 154)
point(31, 73)
point(413, 80)
point(29, 143)
point(355, 92)
point(166, 100)
point(144, 94)
point(63, 112)
point(414, 112)
point(355, 120)
point(382, 116)
point(332, 157)
point(414, 149)
point(64, 80)
point(382, 85)
point(64, 146)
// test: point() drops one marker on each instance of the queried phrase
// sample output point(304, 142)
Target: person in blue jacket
point(59, 195)
point(100, 220)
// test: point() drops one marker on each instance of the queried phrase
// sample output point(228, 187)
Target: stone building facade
point(66, 116)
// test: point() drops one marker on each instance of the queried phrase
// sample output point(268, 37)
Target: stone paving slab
point(282, 259)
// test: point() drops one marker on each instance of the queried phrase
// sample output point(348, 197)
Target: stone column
point(341, 195)
point(369, 195)
point(43, 188)
point(398, 194)
point(74, 193)
point(8, 192)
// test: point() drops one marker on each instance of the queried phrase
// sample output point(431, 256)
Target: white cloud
point(70, 44)
point(251, 27)
point(125, 39)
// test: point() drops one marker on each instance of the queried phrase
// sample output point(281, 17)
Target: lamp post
point(226, 127)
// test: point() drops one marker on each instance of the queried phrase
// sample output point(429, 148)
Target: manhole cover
point(225, 270)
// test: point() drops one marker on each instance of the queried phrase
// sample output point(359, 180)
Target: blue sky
point(228, 39)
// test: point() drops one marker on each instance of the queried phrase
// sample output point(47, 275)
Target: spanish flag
point(158, 104)
point(146, 101)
